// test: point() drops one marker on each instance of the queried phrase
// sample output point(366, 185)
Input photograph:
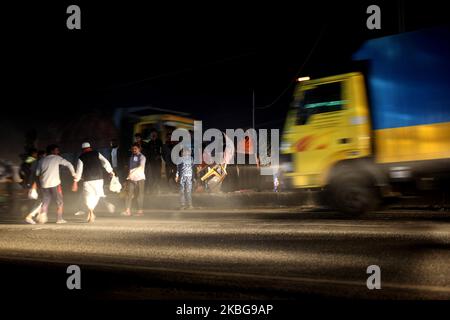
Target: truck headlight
point(286, 163)
point(287, 167)
point(285, 146)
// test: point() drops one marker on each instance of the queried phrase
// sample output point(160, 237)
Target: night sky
point(204, 58)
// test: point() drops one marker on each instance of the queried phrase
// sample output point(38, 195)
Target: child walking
point(184, 177)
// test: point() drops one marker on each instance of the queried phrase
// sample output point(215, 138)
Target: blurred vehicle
point(378, 132)
point(211, 174)
point(164, 123)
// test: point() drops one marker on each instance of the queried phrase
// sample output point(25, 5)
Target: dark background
point(205, 58)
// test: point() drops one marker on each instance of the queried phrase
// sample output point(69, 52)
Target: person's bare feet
point(42, 218)
point(91, 217)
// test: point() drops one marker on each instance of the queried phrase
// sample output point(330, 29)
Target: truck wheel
point(353, 194)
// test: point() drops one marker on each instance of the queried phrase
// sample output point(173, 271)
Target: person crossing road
point(49, 178)
point(90, 169)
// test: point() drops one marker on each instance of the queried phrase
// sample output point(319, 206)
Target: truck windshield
point(320, 99)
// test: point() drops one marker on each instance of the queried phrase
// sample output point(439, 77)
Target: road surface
point(283, 253)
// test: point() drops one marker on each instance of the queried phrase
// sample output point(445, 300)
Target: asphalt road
point(226, 254)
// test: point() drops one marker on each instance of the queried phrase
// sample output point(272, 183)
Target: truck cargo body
point(409, 86)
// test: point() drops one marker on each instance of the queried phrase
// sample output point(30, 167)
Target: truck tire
point(353, 194)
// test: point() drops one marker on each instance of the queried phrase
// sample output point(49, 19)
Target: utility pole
point(253, 110)
point(401, 16)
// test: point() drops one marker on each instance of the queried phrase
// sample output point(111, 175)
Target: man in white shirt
point(50, 182)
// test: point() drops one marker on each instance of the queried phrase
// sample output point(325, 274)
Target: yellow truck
point(361, 136)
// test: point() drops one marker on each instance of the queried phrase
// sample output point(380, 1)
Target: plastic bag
point(32, 194)
point(115, 185)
